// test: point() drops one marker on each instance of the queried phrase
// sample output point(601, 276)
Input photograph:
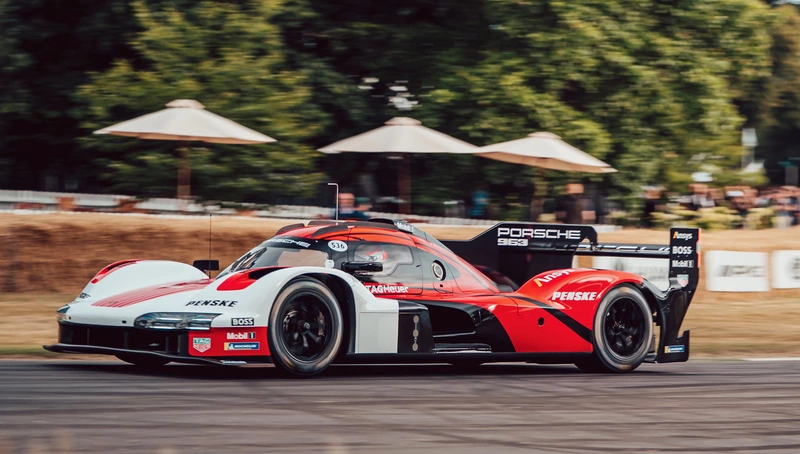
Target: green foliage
point(46, 49)
point(643, 88)
point(643, 85)
point(779, 119)
point(228, 57)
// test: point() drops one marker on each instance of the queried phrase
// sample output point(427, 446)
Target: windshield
point(277, 256)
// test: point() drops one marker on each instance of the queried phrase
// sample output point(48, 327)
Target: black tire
point(621, 334)
point(144, 361)
point(305, 328)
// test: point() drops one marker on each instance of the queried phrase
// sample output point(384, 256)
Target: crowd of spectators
point(740, 199)
point(574, 207)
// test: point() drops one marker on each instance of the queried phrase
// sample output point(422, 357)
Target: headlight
point(178, 320)
point(61, 313)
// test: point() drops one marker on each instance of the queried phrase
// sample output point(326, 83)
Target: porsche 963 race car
point(385, 291)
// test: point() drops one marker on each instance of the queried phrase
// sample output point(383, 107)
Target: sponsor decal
point(201, 344)
point(404, 226)
point(742, 271)
point(338, 246)
point(241, 346)
point(549, 277)
point(241, 336)
point(682, 250)
point(682, 236)
point(730, 271)
point(683, 280)
point(245, 321)
point(539, 234)
point(288, 241)
point(512, 242)
point(785, 269)
point(215, 303)
point(382, 289)
point(683, 263)
point(83, 296)
point(574, 296)
point(674, 349)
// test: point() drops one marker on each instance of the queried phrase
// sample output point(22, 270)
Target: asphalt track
point(700, 406)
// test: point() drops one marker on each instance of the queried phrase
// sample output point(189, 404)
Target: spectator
point(348, 209)
point(700, 197)
point(741, 199)
point(653, 203)
point(573, 207)
point(717, 196)
point(786, 202)
point(480, 202)
point(601, 210)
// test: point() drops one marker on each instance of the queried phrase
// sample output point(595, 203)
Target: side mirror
point(362, 267)
point(206, 265)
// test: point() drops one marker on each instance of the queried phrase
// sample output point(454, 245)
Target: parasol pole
point(184, 171)
point(404, 183)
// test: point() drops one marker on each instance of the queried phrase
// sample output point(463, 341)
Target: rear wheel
point(143, 361)
point(622, 332)
point(305, 328)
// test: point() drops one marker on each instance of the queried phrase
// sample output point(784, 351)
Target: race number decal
point(338, 246)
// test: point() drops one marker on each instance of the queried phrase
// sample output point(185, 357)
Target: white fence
point(723, 271)
point(57, 201)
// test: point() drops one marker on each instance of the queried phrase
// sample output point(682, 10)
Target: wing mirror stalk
point(362, 267)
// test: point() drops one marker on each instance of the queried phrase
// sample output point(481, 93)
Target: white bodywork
point(376, 318)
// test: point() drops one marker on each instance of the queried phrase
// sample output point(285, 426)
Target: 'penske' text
point(226, 303)
point(574, 296)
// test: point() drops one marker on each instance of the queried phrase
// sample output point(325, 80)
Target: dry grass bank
point(61, 252)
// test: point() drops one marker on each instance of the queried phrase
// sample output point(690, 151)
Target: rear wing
point(523, 250)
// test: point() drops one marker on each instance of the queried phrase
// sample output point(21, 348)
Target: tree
point(644, 86)
point(46, 48)
point(228, 56)
point(779, 119)
point(641, 86)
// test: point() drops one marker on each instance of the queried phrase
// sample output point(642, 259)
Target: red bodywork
point(534, 321)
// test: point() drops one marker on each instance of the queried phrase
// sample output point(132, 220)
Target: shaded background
point(644, 86)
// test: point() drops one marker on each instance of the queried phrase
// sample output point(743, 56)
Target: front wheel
point(305, 328)
point(623, 328)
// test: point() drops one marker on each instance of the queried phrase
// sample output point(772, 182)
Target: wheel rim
point(306, 327)
point(624, 327)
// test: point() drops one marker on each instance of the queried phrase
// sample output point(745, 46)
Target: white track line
point(789, 358)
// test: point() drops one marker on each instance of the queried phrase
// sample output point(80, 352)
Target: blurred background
point(695, 104)
point(682, 113)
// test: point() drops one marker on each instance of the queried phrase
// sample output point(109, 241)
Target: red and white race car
point(384, 291)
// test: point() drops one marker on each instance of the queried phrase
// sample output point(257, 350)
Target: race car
point(384, 291)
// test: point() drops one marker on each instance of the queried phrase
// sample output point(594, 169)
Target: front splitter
point(92, 349)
